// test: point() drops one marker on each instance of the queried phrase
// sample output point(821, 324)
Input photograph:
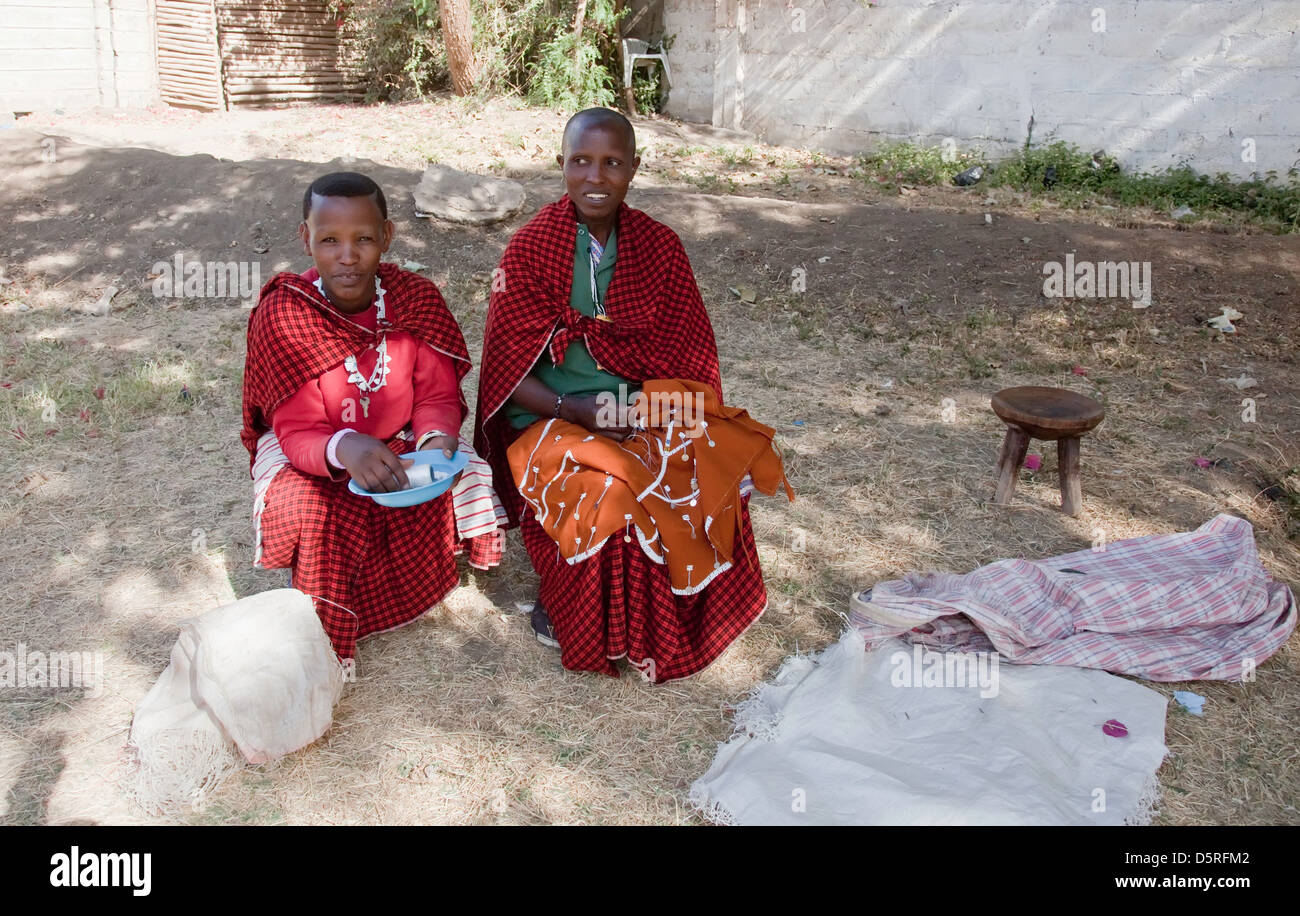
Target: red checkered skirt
point(370, 568)
point(620, 603)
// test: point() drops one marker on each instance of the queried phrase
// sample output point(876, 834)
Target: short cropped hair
point(600, 117)
point(344, 184)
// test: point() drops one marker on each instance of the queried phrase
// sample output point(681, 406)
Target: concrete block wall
point(1153, 82)
point(76, 54)
point(691, 58)
point(128, 76)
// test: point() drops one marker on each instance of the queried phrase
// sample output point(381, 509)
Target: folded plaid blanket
point(1173, 607)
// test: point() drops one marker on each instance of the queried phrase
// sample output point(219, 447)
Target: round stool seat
point(1048, 413)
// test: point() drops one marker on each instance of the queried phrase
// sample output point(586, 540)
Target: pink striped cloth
point(1170, 607)
point(478, 508)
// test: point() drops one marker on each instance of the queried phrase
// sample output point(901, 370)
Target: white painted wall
point(76, 54)
point(1166, 81)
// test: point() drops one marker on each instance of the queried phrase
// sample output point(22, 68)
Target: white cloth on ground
point(831, 740)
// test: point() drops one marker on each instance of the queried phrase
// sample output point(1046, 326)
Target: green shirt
point(579, 374)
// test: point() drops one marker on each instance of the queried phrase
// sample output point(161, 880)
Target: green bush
point(508, 36)
point(558, 81)
point(1074, 169)
point(1082, 176)
point(520, 46)
point(398, 47)
point(1079, 177)
point(646, 91)
point(908, 163)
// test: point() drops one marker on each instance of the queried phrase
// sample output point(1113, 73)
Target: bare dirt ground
point(126, 505)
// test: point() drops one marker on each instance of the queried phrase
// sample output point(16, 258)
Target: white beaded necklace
point(379, 376)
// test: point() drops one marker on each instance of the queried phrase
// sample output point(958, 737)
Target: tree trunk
point(458, 36)
point(579, 20)
point(629, 97)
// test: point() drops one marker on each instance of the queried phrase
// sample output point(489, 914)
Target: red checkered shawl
point(295, 335)
point(658, 326)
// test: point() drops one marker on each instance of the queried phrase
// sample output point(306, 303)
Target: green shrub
point(1074, 169)
point(520, 46)
point(557, 81)
point(1080, 177)
point(1084, 176)
point(908, 163)
point(398, 47)
point(508, 38)
point(645, 90)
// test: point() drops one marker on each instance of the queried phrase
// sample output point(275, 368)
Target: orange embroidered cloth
point(674, 485)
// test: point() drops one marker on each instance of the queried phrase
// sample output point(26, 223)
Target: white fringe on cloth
point(250, 681)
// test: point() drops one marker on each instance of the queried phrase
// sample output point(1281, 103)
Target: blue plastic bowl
point(413, 497)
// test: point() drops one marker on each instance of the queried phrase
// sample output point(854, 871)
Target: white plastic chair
point(637, 53)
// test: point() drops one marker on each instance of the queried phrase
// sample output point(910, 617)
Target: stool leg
point(1014, 447)
point(1067, 460)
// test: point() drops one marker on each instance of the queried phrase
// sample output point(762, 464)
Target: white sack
point(257, 677)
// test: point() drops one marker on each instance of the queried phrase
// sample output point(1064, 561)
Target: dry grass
point(126, 520)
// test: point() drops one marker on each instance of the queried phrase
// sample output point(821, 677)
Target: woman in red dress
point(349, 365)
point(598, 297)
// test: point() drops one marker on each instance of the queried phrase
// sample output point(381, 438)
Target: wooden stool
point(1036, 412)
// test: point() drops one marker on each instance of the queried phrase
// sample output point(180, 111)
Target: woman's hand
point(448, 444)
point(596, 415)
point(371, 463)
point(533, 396)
